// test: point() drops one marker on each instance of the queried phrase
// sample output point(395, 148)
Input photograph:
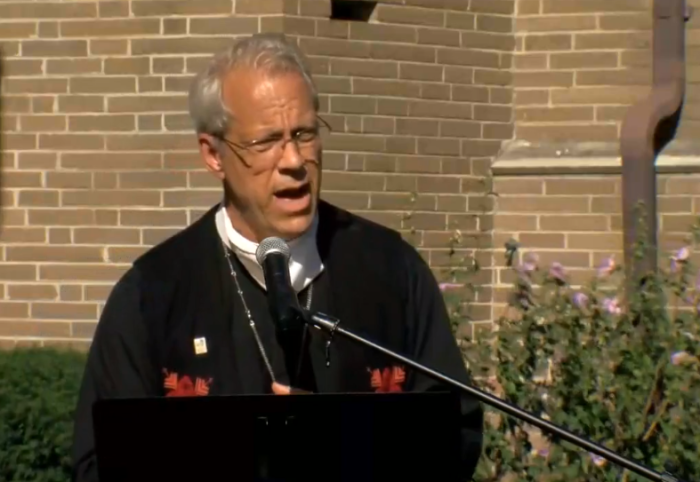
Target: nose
point(291, 156)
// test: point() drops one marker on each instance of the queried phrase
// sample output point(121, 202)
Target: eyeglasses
point(270, 149)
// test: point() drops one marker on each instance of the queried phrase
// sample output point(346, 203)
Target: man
point(190, 317)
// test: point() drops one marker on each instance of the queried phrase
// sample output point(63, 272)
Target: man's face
point(270, 161)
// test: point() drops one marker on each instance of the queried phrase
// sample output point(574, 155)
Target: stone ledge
point(521, 158)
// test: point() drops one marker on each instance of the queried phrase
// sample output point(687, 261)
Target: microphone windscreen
point(271, 245)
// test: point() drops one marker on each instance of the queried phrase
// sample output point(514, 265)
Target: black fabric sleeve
point(432, 343)
point(119, 364)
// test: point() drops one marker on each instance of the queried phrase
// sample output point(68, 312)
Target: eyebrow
point(277, 134)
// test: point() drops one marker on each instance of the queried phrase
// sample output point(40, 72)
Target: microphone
point(273, 255)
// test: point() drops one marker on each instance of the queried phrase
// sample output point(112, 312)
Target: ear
point(209, 152)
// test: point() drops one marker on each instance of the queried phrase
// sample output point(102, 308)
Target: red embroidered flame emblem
point(388, 380)
point(184, 387)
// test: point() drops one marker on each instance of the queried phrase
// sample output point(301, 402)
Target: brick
point(178, 45)
point(263, 6)
point(543, 204)
point(494, 23)
point(598, 95)
point(152, 180)
point(17, 30)
point(64, 311)
point(614, 77)
point(32, 292)
point(125, 66)
point(100, 123)
point(554, 114)
point(381, 32)
point(77, 272)
point(80, 103)
point(42, 123)
point(583, 60)
point(109, 47)
point(502, 7)
point(548, 42)
point(73, 66)
point(28, 328)
point(487, 41)
point(106, 9)
point(111, 28)
point(518, 186)
point(388, 51)
point(363, 68)
point(430, 36)
point(224, 26)
point(150, 142)
point(409, 15)
point(421, 72)
point(54, 48)
point(593, 6)
point(102, 85)
point(50, 10)
point(568, 133)
point(633, 40)
point(48, 29)
point(444, 110)
point(35, 86)
point(531, 61)
point(385, 88)
point(334, 47)
point(71, 254)
point(634, 21)
point(12, 235)
point(574, 222)
point(567, 23)
point(462, 21)
point(474, 58)
point(110, 198)
point(435, 91)
point(42, 198)
point(543, 79)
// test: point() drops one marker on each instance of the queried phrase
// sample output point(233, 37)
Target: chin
point(289, 229)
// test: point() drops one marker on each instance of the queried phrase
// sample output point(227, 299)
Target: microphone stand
point(330, 325)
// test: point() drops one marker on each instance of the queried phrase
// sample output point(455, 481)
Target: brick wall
point(579, 64)
point(98, 157)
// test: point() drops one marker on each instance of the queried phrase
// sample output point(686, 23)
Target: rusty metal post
point(646, 129)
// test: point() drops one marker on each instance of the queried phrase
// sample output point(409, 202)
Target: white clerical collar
point(305, 263)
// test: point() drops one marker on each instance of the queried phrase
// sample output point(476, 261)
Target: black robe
point(373, 281)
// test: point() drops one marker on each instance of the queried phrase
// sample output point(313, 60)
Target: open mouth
point(293, 193)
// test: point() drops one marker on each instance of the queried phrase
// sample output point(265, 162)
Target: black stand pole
point(330, 325)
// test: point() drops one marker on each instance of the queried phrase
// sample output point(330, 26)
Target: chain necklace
point(251, 321)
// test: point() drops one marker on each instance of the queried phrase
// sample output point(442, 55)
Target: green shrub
point(625, 375)
point(38, 392)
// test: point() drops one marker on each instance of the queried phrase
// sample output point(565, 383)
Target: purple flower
point(679, 257)
point(557, 272)
point(680, 357)
point(580, 300)
point(597, 460)
point(450, 286)
point(682, 254)
point(606, 267)
point(612, 306)
point(529, 264)
point(540, 452)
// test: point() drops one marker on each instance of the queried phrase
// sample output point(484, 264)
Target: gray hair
point(269, 52)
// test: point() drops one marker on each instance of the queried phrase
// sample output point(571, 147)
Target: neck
point(305, 262)
point(241, 226)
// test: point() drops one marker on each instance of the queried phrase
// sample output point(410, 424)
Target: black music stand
point(329, 437)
